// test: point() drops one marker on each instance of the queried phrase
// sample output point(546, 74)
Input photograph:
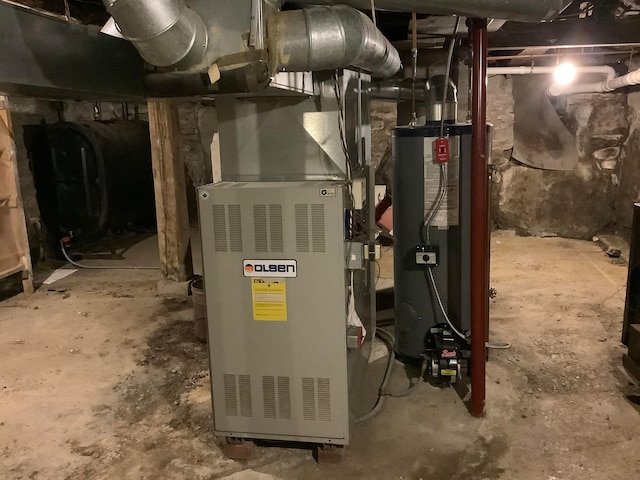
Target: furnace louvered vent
point(269, 396)
point(316, 399)
point(317, 228)
point(260, 227)
point(219, 228)
point(308, 399)
point(317, 242)
point(268, 229)
point(237, 395)
point(282, 409)
point(246, 406)
point(275, 228)
point(284, 398)
point(235, 228)
point(230, 396)
point(324, 400)
point(302, 228)
point(227, 228)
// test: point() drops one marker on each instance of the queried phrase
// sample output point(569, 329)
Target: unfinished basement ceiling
point(582, 22)
point(599, 31)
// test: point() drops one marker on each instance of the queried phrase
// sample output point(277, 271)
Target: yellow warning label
point(449, 373)
point(269, 298)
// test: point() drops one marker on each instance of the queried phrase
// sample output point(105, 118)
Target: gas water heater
point(432, 230)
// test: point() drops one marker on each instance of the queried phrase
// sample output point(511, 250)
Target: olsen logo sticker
point(270, 268)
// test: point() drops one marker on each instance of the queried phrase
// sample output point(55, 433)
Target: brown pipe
point(479, 219)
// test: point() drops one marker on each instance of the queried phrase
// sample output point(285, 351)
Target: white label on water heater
point(449, 211)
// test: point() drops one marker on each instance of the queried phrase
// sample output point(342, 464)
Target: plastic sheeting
point(541, 140)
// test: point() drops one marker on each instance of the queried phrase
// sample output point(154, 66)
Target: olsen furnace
point(277, 293)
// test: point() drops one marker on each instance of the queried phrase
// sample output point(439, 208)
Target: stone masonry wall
point(595, 197)
point(578, 203)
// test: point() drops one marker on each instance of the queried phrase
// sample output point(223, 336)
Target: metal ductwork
point(165, 32)
point(515, 10)
point(327, 38)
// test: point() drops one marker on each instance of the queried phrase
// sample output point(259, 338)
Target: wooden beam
point(14, 241)
point(170, 191)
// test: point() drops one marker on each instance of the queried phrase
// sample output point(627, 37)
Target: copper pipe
point(479, 220)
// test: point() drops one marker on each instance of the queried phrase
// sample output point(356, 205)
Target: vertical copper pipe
point(479, 219)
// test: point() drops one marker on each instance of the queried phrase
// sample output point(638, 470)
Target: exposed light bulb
point(565, 73)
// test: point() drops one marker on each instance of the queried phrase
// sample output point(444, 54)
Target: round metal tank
point(416, 309)
point(92, 177)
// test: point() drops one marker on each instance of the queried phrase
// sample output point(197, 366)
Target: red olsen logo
point(248, 268)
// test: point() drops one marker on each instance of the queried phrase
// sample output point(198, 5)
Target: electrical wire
point(337, 91)
point(435, 208)
point(414, 67)
point(389, 342)
point(429, 274)
point(452, 46)
point(96, 267)
point(373, 13)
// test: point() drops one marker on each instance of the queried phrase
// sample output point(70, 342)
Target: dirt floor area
point(102, 379)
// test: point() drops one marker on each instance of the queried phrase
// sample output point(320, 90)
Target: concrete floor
point(102, 379)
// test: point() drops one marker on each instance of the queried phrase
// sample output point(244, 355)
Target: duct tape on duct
point(449, 211)
point(541, 139)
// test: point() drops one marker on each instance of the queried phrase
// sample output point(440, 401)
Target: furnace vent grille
point(316, 399)
point(283, 396)
point(219, 228)
point(274, 232)
point(230, 396)
point(302, 228)
point(318, 228)
point(324, 400)
point(235, 228)
point(269, 396)
point(275, 228)
point(227, 219)
point(237, 388)
point(260, 227)
point(245, 396)
point(308, 399)
point(318, 234)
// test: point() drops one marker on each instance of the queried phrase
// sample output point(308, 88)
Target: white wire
point(442, 309)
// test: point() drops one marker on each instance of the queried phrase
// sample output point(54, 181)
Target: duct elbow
point(326, 38)
point(166, 33)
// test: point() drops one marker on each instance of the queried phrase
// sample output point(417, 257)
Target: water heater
point(445, 252)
